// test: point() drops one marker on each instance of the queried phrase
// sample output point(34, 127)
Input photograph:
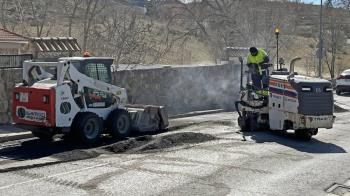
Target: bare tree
point(20, 9)
point(335, 37)
point(123, 35)
point(4, 6)
point(71, 8)
point(223, 23)
point(91, 9)
point(132, 38)
point(9, 14)
point(39, 13)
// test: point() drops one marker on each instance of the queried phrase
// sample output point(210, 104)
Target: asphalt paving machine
point(290, 102)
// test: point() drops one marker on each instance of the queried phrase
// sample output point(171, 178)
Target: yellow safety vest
point(259, 58)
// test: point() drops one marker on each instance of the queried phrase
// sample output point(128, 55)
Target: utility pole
point(320, 50)
point(277, 32)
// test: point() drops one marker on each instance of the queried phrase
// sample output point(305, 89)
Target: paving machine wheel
point(304, 134)
point(253, 122)
point(243, 123)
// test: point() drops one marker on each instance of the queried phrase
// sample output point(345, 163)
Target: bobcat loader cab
point(75, 96)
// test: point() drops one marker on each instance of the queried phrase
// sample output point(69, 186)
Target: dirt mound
point(338, 109)
point(148, 143)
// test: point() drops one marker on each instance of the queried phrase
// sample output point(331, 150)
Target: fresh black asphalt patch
point(149, 143)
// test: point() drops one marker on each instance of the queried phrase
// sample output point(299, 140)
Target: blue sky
point(312, 1)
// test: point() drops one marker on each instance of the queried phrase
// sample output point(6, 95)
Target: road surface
point(209, 157)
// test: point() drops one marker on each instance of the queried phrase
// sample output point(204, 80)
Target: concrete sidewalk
point(9, 132)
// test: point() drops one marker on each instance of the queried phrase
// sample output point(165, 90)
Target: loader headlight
point(329, 89)
point(17, 96)
point(306, 89)
point(46, 99)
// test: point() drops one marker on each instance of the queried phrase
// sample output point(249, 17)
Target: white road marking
point(60, 174)
point(342, 115)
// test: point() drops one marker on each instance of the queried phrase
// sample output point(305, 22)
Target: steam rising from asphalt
point(204, 88)
point(182, 88)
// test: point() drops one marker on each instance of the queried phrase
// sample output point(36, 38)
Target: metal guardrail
point(14, 61)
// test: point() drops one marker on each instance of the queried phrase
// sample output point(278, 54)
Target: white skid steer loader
point(75, 96)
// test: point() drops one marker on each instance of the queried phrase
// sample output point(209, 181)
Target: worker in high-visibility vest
point(257, 62)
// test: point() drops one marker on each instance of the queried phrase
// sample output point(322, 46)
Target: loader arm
point(33, 72)
point(84, 81)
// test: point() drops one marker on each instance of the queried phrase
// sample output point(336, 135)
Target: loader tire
point(119, 124)
point(304, 134)
point(88, 127)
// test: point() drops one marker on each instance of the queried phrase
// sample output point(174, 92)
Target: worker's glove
point(252, 65)
point(265, 65)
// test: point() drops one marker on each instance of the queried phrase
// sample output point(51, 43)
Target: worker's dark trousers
point(256, 79)
point(259, 81)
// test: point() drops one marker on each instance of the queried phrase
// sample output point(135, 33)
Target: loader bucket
point(148, 118)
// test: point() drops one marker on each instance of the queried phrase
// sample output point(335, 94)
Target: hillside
point(173, 33)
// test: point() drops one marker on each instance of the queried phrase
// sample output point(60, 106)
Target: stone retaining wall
point(181, 89)
point(8, 79)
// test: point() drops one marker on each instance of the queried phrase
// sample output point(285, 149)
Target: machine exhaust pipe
point(292, 64)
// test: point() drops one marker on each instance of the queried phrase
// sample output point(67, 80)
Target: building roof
point(56, 44)
point(8, 36)
point(84, 58)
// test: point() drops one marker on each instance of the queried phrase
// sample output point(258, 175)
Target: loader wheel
point(88, 127)
point(304, 134)
point(119, 123)
point(43, 134)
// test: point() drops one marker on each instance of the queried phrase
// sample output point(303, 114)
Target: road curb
point(181, 126)
point(197, 113)
point(18, 136)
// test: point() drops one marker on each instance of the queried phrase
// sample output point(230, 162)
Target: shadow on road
point(289, 139)
point(62, 149)
point(35, 148)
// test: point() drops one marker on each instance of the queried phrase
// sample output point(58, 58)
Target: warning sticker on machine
point(31, 115)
